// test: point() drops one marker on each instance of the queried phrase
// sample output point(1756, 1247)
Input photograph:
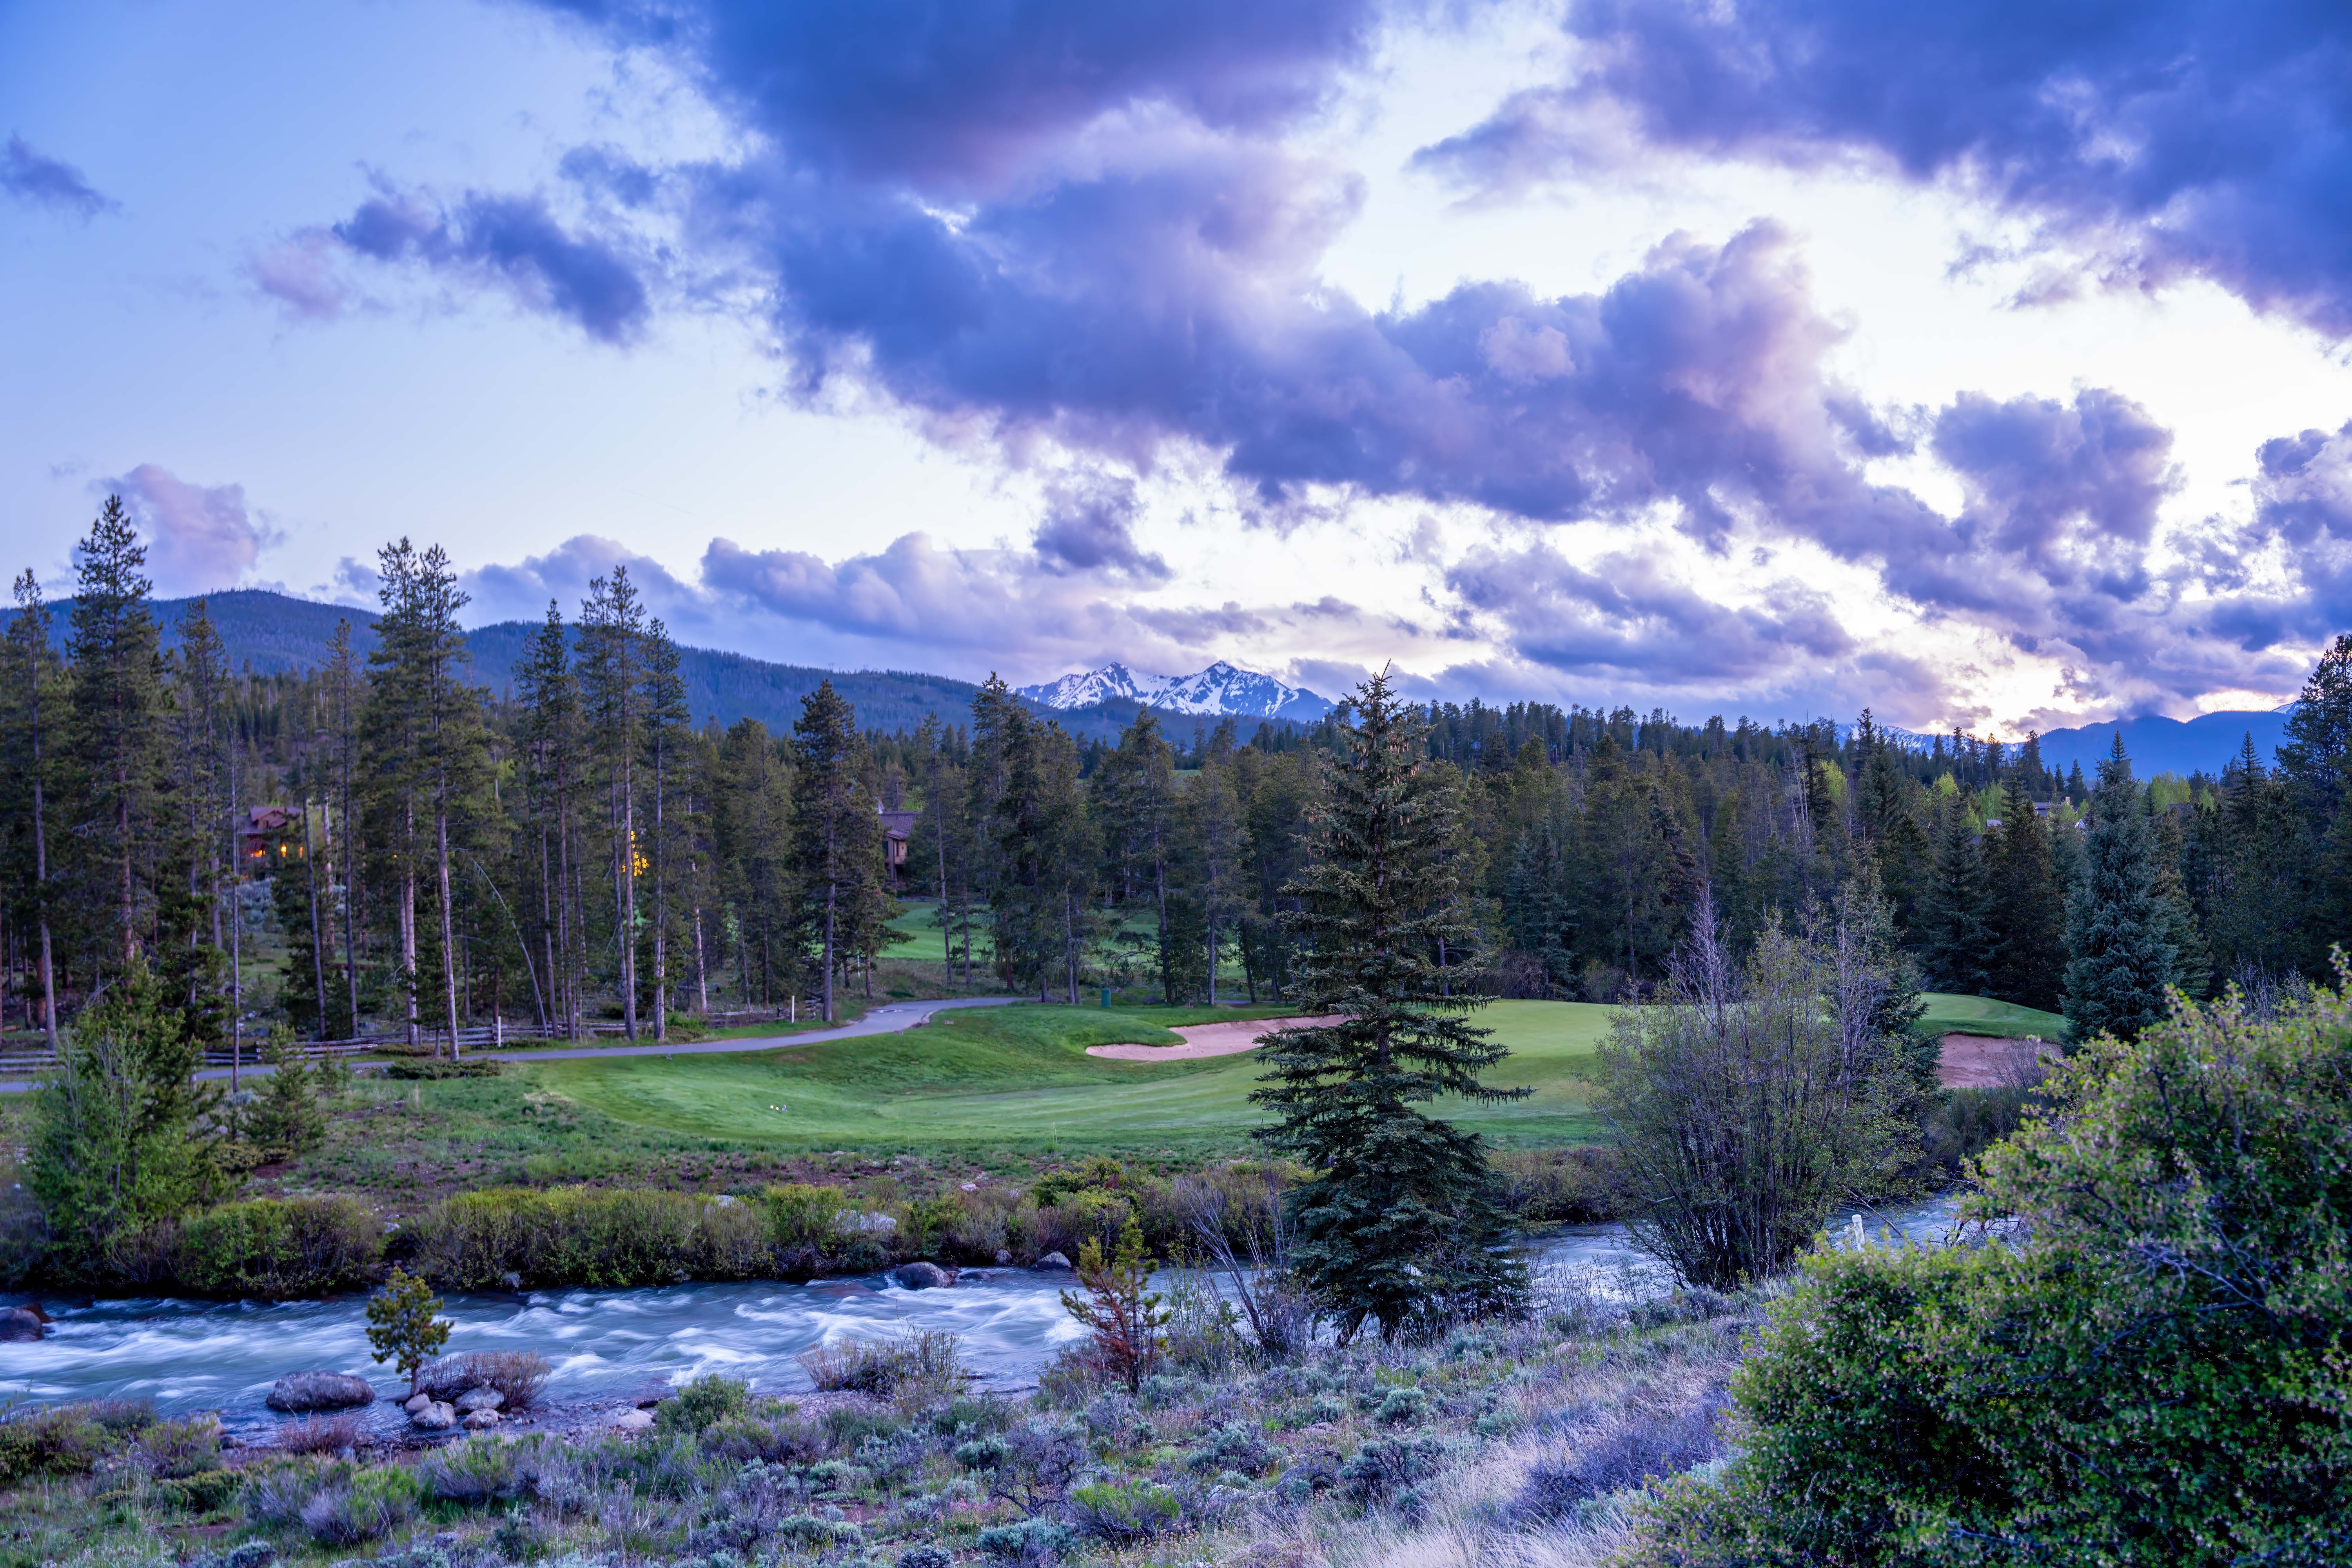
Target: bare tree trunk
point(408, 915)
point(235, 936)
point(702, 972)
point(41, 879)
point(448, 928)
point(661, 911)
point(317, 957)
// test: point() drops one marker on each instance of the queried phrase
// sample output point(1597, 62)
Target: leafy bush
point(516, 1376)
point(274, 1249)
point(587, 1235)
point(803, 1218)
point(1556, 1186)
point(1385, 1464)
point(322, 1435)
point(1402, 1407)
point(372, 1503)
point(170, 1450)
point(469, 1473)
point(927, 1363)
point(428, 1068)
point(2153, 1375)
point(66, 1439)
point(703, 1402)
point(1123, 1512)
point(1030, 1541)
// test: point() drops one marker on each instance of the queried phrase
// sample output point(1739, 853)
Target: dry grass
point(322, 1435)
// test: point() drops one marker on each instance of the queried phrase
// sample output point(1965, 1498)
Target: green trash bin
point(1106, 996)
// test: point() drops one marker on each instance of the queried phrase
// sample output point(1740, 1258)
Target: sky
point(1987, 365)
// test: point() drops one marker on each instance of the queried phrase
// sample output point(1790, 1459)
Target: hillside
point(275, 633)
point(2160, 745)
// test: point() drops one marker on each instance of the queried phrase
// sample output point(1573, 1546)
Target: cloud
point(510, 243)
point(521, 592)
point(2178, 137)
point(1626, 620)
point(1089, 524)
point(199, 539)
point(44, 181)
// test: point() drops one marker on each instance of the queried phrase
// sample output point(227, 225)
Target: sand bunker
point(1208, 1040)
point(1987, 1061)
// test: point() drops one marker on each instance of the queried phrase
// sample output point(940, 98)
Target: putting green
point(1951, 1014)
point(1018, 1078)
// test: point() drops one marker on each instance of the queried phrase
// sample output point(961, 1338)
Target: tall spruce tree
point(1957, 916)
point(836, 836)
point(115, 728)
point(2116, 923)
point(344, 697)
point(2028, 919)
point(549, 702)
point(1141, 804)
point(612, 689)
point(666, 733)
point(32, 676)
point(1397, 1224)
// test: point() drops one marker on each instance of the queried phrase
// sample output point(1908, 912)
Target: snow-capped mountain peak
point(1222, 689)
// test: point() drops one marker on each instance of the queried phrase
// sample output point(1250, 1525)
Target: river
point(625, 1344)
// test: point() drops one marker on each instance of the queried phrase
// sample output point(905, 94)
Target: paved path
point(887, 1019)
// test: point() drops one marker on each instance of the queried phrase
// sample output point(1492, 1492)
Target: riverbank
point(1219, 1455)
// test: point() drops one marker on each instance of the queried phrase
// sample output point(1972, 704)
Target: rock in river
point(19, 1323)
point(1055, 1260)
point(921, 1276)
point(298, 1391)
point(434, 1417)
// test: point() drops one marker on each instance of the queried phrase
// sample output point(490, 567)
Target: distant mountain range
point(273, 634)
point(1219, 691)
point(2154, 744)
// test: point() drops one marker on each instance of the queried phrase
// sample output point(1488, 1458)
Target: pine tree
point(1956, 919)
point(115, 724)
point(1397, 1224)
point(2028, 919)
point(31, 677)
point(836, 843)
point(611, 676)
point(548, 727)
point(1211, 816)
point(1141, 799)
point(425, 723)
point(2115, 921)
point(665, 728)
point(343, 692)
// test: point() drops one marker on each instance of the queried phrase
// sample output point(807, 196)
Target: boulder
point(512, 1281)
point(921, 1276)
point(18, 1324)
point(857, 1223)
point(301, 1391)
point(632, 1420)
point(475, 1399)
point(434, 1417)
point(416, 1402)
point(481, 1420)
point(1053, 1260)
point(1003, 1258)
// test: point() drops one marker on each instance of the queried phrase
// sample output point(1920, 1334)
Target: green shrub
point(704, 1402)
point(1556, 1186)
point(274, 1249)
point(2155, 1373)
point(426, 1068)
point(173, 1450)
point(1123, 1512)
point(803, 1217)
point(66, 1439)
point(372, 1503)
point(586, 1236)
point(924, 1365)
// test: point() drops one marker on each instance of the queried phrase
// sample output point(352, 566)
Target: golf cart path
point(887, 1019)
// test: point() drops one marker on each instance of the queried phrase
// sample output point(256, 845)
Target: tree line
point(575, 847)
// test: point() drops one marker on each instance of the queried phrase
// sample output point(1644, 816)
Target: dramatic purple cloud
point(521, 592)
point(513, 243)
point(951, 95)
point(2182, 137)
point(44, 181)
point(200, 538)
point(1625, 620)
point(1089, 524)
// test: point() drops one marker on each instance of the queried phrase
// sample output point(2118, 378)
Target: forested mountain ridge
point(277, 633)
